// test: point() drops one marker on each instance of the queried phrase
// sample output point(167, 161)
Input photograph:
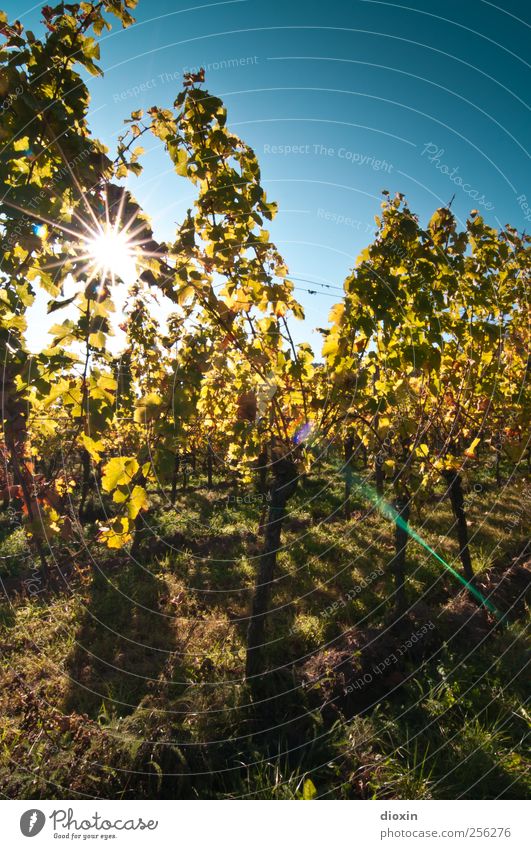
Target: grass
point(127, 682)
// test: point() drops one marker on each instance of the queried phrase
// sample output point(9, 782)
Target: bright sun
point(111, 254)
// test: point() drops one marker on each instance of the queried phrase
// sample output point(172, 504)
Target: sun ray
point(76, 181)
point(111, 253)
point(43, 219)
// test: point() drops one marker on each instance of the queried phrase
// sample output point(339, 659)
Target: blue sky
point(339, 101)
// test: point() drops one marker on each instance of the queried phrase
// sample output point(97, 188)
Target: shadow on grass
point(123, 644)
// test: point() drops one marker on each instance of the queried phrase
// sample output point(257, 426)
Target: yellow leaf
point(331, 345)
point(470, 451)
point(97, 340)
point(336, 313)
point(118, 535)
point(21, 144)
point(185, 295)
point(309, 790)
point(148, 408)
point(92, 446)
point(138, 501)
point(118, 471)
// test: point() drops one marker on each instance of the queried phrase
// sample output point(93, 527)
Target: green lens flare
point(389, 512)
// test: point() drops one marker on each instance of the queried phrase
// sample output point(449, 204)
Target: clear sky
point(340, 101)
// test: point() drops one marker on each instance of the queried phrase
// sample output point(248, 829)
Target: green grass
point(128, 681)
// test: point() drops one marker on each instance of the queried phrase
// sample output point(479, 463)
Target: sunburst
point(110, 253)
point(106, 250)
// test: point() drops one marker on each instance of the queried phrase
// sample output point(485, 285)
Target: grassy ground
point(127, 681)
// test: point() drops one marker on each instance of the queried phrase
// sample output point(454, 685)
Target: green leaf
point(179, 157)
point(91, 48)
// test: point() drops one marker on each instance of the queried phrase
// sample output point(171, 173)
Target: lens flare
point(40, 230)
point(303, 433)
point(111, 254)
point(389, 512)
